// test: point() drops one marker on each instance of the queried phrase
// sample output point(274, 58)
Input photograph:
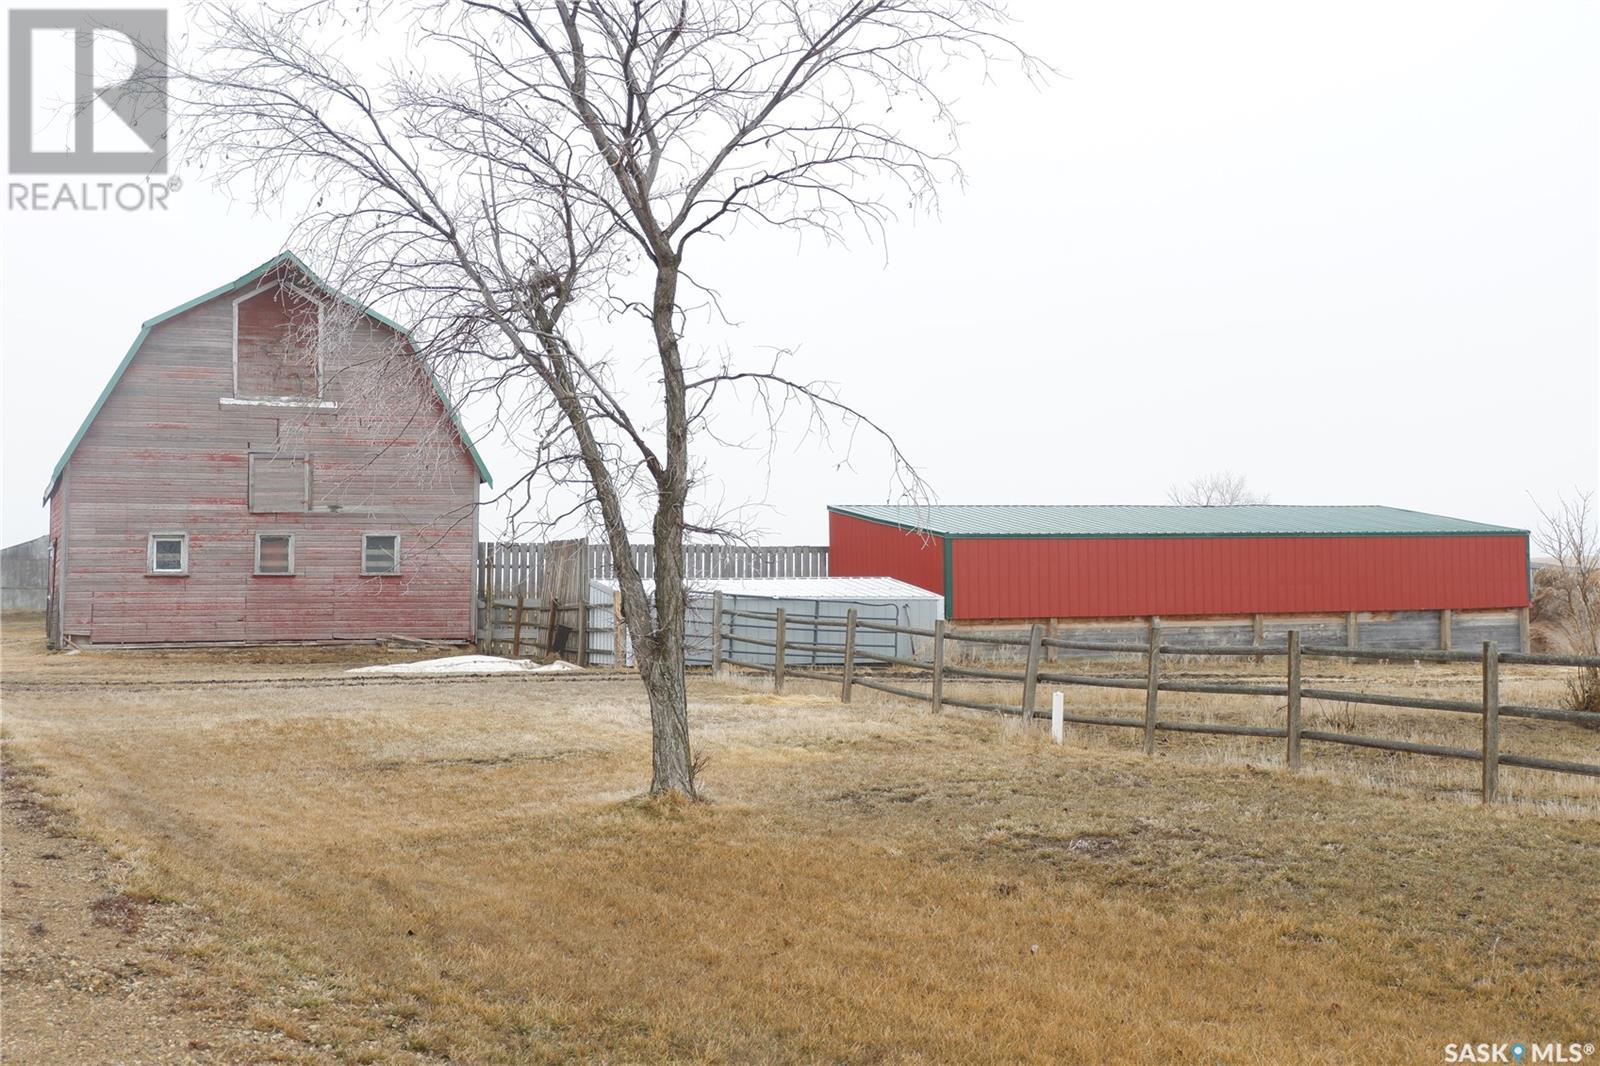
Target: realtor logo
point(88, 91)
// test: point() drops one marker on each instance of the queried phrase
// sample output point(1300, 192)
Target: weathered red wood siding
point(277, 329)
point(168, 454)
point(858, 548)
point(1111, 577)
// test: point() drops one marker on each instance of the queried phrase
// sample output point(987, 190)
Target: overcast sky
point(1349, 251)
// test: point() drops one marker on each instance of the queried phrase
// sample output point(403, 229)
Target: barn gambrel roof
point(282, 259)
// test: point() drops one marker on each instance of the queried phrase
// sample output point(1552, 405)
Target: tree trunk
point(671, 759)
point(671, 765)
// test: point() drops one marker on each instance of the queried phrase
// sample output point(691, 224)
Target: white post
point(1058, 725)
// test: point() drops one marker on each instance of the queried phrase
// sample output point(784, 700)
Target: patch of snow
point(466, 664)
point(559, 666)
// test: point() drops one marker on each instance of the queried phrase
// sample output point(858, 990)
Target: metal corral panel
point(857, 547)
point(875, 599)
point(1112, 577)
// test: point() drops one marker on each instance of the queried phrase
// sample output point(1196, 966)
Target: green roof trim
point(1248, 520)
point(276, 261)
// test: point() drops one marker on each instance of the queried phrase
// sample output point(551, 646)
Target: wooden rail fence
point(1488, 708)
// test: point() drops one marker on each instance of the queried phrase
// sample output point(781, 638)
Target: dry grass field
point(460, 870)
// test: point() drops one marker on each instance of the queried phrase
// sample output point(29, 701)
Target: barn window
point(279, 483)
point(275, 352)
point(169, 553)
point(380, 553)
point(274, 554)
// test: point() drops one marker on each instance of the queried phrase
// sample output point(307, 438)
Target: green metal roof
point(1252, 520)
point(238, 283)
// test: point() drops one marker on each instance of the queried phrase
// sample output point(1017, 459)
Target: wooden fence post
point(1294, 700)
point(849, 655)
point(486, 614)
point(1522, 630)
point(488, 604)
point(716, 634)
point(777, 658)
point(1491, 720)
point(619, 631)
point(583, 629)
point(550, 626)
point(1444, 629)
point(938, 666)
point(1030, 678)
point(1258, 634)
point(516, 630)
point(1052, 630)
point(1352, 630)
point(1153, 678)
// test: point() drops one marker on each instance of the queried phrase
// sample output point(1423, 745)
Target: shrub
point(1583, 692)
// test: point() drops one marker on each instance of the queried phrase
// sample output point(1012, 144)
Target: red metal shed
point(1014, 562)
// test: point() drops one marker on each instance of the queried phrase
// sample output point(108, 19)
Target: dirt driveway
point(92, 975)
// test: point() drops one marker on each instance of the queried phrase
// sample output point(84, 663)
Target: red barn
point(270, 462)
point(1372, 567)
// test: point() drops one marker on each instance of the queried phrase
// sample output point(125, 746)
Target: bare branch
point(1216, 490)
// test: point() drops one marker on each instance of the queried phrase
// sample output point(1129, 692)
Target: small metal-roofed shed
point(882, 600)
point(1076, 561)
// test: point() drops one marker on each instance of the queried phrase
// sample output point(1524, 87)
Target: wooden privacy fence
point(519, 627)
point(1293, 691)
point(507, 569)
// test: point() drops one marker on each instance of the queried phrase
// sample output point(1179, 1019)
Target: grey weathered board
point(25, 575)
point(521, 567)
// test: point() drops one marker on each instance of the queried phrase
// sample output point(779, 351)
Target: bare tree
point(1570, 586)
point(520, 168)
point(1216, 490)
